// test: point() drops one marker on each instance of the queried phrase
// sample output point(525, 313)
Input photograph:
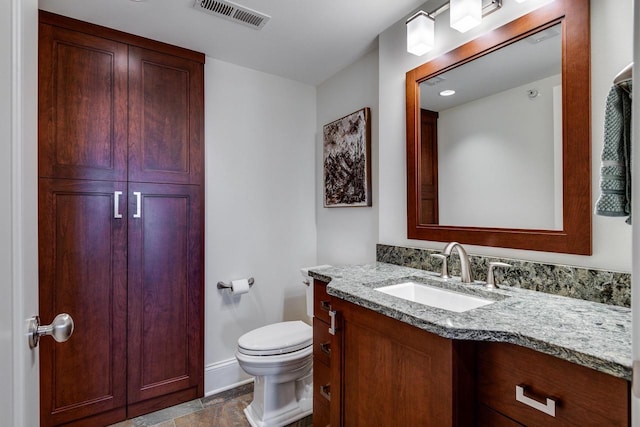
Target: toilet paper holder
point(222, 285)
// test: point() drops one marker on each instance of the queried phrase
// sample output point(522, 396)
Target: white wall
point(504, 141)
point(260, 205)
point(611, 38)
point(348, 235)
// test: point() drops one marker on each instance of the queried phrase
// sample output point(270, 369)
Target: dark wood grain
point(575, 237)
point(395, 374)
point(166, 127)
point(133, 286)
point(429, 211)
point(83, 264)
point(82, 106)
point(165, 291)
point(487, 417)
point(584, 396)
point(119, 36)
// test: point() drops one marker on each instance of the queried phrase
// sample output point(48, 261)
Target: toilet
point(280, 357)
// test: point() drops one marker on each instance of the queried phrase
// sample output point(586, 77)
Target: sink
point(435, 297)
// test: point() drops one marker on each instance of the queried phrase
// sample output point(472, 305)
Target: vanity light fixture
point(465, 14)
point(447, 92)
point(420, 33)
point(421, 25)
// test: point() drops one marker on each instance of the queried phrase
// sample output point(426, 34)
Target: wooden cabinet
point(83, 272)
point(121, 222)
point(580, 396)
point(82, 104)
point(323, 355)
point(384, 372)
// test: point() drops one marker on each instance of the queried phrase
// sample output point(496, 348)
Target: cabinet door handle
point(332, 328)
point(325, 305)
point(116, 204)
point(325, 391)
point(549, 408)
point(325, 347)
point(138, 213)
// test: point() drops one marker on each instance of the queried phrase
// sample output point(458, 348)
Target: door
point(166, 309)
point(428, 167)
point(83, 262)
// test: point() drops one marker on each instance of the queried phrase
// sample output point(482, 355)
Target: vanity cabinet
point(376, 370)
point(322, 355)
point(386, 372)
point(530, 388)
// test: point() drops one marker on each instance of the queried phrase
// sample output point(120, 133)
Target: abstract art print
point(347, 160)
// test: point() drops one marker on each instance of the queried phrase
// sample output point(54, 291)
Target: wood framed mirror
point(571, 232)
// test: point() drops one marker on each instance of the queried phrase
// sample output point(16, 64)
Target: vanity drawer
point(321, 342)
point(321, 412)
point(582, 396)
point(321, 382)
point(321, 301)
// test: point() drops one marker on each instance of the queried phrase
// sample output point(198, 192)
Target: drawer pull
point(325, 391)
point(325, 347)
point(325, 305)
point(332, 328)
point(549, 408)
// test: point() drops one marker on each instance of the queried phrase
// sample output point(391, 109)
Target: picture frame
point(347, 160)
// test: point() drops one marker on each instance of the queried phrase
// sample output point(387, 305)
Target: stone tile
point(227, 395)
point(126, 423)
point(224, 414)
point(155, 418)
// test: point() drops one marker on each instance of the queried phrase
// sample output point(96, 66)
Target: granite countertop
point(590, 334)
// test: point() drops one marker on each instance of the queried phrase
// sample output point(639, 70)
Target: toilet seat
point(277, 338)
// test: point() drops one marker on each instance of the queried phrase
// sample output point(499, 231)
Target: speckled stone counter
point(591, 334)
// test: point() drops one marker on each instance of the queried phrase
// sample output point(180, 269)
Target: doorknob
point(60, 329)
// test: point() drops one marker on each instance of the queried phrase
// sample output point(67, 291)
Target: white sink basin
point(435, 297)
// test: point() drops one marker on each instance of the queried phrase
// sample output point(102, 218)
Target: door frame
point(20, 386)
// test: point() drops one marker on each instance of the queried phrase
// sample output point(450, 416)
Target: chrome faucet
point(465, 264)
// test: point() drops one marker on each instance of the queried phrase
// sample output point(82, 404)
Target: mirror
point(505, 161)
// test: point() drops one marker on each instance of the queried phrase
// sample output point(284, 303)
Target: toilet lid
point(278, 338)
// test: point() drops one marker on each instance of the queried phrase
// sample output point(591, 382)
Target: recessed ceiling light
point(447, 92)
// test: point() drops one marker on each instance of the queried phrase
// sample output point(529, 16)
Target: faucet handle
point(444, 271)
point(491, 280)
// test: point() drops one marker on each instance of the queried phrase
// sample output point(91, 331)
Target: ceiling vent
point(233, 12)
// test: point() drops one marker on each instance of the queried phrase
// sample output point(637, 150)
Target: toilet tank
point(308, 281)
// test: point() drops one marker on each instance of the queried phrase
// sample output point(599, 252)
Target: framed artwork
point(347, 160)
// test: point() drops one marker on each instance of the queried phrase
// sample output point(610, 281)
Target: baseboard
point(224, 375)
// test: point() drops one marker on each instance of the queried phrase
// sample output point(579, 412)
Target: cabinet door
point(82, 258)
point(166, 118)
point(82, 123)
point(394, 374)
point(165, 351)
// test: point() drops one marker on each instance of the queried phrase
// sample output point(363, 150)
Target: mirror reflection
point(491, 151)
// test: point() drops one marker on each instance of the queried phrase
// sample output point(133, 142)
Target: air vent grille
point(233, 12)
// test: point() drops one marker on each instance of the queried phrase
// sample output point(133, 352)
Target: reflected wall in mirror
point(505, 161)
point(495, 123)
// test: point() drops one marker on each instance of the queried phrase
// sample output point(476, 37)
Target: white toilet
point(280, 356)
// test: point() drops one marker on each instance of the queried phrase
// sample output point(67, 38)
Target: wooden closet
point(121, 222)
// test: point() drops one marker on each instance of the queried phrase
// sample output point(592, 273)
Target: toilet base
point(280, 420)
point(279, 404)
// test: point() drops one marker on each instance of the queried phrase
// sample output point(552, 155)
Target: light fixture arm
point(488, 7)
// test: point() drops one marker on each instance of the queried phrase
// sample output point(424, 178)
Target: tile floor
point(220, 410)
